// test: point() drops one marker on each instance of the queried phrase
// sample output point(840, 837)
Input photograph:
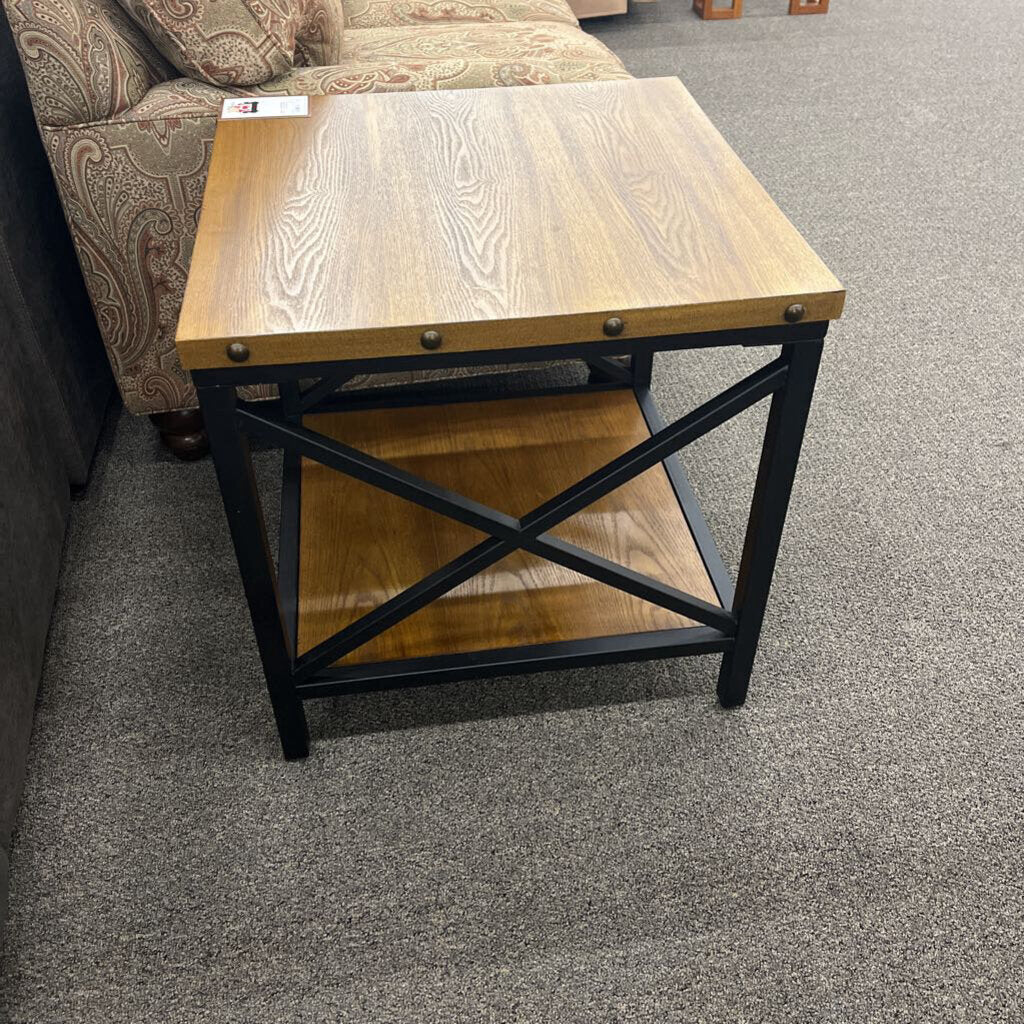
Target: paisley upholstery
point(132, 191)
point(408, 59)
point(129, 140)
point(85, 60)
point(457, 57)
point(240, 42)
point(392, 13)
point(320, 32)
point(549, 46)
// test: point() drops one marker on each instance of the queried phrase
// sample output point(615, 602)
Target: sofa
point(127, 94)
point(54, 386)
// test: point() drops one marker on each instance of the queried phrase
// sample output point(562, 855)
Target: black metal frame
point(733, 628)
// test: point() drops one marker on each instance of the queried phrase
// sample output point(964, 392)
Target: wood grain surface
point(500, 217)
point(360, 546)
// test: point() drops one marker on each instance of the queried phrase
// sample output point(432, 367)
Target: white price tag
point(245, 107)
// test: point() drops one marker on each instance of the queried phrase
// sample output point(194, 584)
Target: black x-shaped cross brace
point(507, 533)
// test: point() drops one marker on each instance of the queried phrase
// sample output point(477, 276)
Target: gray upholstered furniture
point(54, 386)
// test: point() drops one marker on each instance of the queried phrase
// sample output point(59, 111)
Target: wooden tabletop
point(501, 218)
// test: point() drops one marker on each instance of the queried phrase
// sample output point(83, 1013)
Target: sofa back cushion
point(84, 60)
point(240, 42)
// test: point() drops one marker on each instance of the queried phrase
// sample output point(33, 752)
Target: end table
point(481, 533)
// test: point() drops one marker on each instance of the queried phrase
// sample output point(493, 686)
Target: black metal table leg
point(784, 433)
point(244, 512)
point(642, 365)
point(288, 533)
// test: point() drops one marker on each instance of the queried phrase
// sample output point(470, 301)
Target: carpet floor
point(607, 845)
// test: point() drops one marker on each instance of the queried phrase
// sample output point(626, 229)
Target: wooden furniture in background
point(708, 10)
point(430, 538)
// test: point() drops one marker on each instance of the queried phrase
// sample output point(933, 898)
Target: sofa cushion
point(459, 56)
point(410, 59)
point(392, 13)
point(241, 42)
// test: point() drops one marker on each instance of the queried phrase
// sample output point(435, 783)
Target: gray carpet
point(608, 845)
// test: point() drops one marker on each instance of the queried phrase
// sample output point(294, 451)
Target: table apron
point(782, 334)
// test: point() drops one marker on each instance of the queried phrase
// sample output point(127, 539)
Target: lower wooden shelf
point(359, 546)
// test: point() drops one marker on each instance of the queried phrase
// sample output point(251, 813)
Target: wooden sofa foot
point(183, 433)
point(808, 6)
